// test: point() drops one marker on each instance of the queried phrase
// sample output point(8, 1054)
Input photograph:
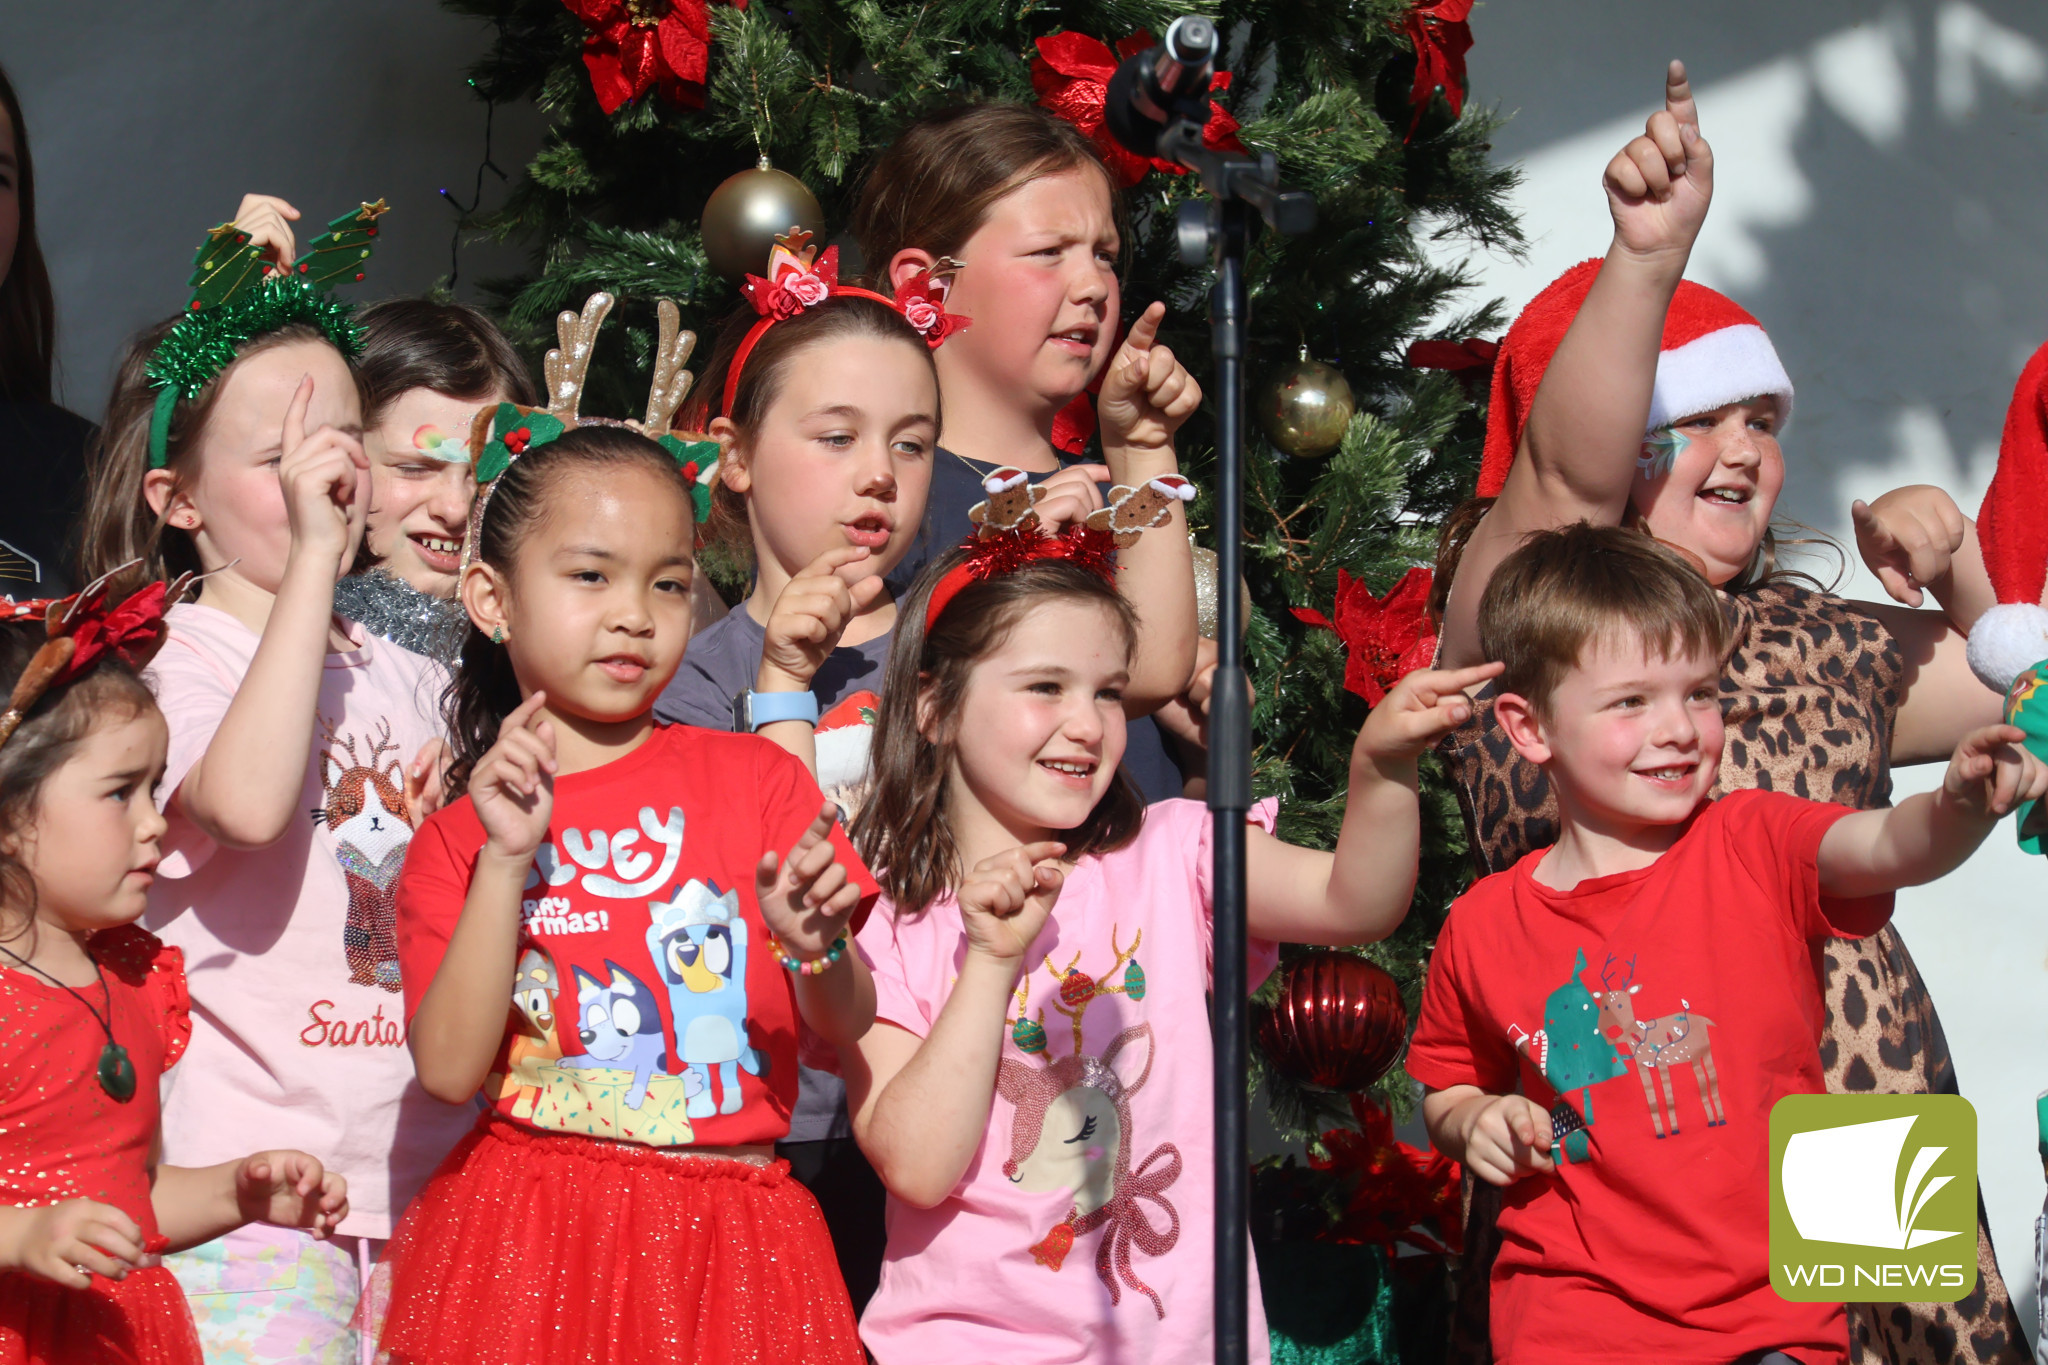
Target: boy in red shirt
point(1667, 931)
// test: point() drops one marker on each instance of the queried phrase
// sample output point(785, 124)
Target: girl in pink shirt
point(1036, 1092)
point(291, 783)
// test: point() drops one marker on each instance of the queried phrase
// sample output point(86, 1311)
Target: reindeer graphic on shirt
point(1073, 1127)
point(368, 816)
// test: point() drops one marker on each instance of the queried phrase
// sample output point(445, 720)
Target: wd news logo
point(1873, 1198)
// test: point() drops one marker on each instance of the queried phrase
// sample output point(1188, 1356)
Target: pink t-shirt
point(1084, 1228)
point(298, 1026)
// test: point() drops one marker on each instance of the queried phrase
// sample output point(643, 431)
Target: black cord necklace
point(116, 1071)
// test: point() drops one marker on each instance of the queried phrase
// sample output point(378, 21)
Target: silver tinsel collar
point(393, 609)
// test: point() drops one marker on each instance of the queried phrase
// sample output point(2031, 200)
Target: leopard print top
point(1809, 697)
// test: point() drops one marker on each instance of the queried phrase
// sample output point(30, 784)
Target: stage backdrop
point(1882, 185)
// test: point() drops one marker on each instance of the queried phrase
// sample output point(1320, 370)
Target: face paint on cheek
point(1660, 451)
point(437, 444)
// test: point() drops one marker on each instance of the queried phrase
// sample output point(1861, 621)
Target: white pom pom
point(2006, 641)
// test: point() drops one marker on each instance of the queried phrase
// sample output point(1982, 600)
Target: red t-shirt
point(646, 1005)
point(1651, 1242)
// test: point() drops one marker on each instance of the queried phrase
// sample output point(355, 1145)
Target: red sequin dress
point(62, 1137)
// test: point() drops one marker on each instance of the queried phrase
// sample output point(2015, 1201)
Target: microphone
point(1165, 82)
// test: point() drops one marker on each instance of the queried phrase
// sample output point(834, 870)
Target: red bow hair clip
point(1009, 535)
point(83, 629)
point(800, 278)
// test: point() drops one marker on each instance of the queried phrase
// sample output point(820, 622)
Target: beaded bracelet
point(812, 966)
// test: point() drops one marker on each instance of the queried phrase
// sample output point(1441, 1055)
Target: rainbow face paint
point(1661, 450)
point(437, 444)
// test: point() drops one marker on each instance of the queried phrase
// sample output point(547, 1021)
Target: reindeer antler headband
point(1009, 534)
point(500, 435)
point(800, 278)
point(233, 301)
point(83, 629)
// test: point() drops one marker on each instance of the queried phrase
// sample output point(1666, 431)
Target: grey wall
point(149, 120)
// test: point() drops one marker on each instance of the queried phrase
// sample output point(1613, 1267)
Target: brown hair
point(28, 312)
point(934, 186)
point(768, 364)
point(450, 348)
point(47, 738)
point(119, 526)
point(1561, 590)
point(1763, 571)
point(485, 689)
point(901, 830)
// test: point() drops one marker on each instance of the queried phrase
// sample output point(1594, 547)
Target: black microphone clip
point(1168, 81)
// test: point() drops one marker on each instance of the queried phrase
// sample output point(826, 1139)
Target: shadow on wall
point(147, 129)
point(1881, 185)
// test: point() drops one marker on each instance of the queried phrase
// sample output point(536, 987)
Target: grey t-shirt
point(720, 663)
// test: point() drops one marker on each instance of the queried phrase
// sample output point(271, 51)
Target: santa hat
point(1714, 353)
point(2013, 535)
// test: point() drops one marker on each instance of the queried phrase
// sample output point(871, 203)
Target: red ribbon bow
point(1387, 638)
point(1442, 37)
point(638, 45)
point(1071, 75)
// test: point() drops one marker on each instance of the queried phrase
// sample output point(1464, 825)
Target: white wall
point(1881, 178)
point(148, 121)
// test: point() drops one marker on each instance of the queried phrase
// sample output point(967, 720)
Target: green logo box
point(1873, 1198)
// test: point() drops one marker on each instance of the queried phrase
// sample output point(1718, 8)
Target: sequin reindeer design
point(368, 816)
point(1072, 1128)
point(1660, 1044)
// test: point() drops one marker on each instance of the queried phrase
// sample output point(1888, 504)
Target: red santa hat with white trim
point(2012, 532)
point(1713, 353)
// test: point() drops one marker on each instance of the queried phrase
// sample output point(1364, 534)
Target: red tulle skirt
point(140, 1320)
point(542, 1249)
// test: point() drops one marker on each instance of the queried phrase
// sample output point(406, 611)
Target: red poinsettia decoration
point(1387, 637)
point(1071, 74)
point(1442, 37)
point(638, 45)
point(1401, 1193)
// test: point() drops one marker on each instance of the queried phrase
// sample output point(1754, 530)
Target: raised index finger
point(1146, 328)
point(1678, 100)
point(295, 416)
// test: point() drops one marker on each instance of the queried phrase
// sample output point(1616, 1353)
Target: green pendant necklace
point(116, 1071)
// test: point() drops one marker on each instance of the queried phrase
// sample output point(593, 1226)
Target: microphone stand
point(1218, 229)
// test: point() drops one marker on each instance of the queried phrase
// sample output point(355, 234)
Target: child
point(1625, 395)
point(1015, 210)
point(1037, 1088)
point(826, 450)
point(253, 471)
point(94, 1009)
point(426, 368)
point(592, 938)
point(1621, 1245)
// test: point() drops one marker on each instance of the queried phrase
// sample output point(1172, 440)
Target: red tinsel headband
point(1009, 535)
point(800, 278)
point(83, 628)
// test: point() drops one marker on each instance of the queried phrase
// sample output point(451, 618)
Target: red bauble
point(1339, 1022)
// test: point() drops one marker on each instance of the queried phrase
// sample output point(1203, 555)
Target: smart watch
point(751, 710)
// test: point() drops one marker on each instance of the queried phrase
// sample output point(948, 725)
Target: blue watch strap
point(765, 708)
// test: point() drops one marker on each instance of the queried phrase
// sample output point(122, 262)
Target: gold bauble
point(1205, 594)
point(746, 213)
point(1306, 407)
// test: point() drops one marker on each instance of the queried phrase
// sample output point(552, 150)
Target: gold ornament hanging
point(1306, 407)
point(744, 215)
point(1205, 593)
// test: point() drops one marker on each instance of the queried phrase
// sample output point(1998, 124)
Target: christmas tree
point(654, 103)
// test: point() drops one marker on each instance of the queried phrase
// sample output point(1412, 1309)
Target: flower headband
point(799, 278)
point(234, 301)
point(1009, 536)
point(83, 629)
point(500, 435)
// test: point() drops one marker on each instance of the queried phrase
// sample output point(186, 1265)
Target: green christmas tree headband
point(234, 301)
point(500, 435)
